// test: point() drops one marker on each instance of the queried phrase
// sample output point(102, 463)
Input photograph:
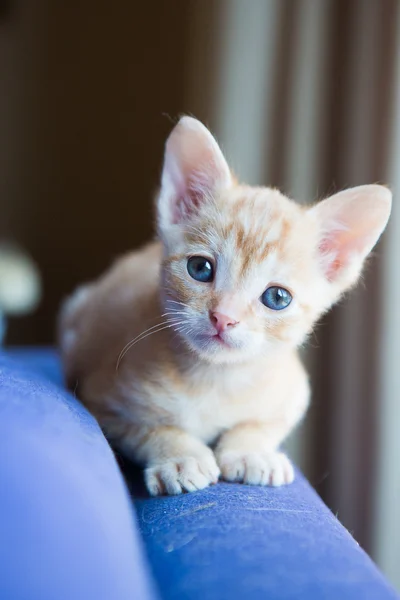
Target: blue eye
point(276, 298)
point(200, 269)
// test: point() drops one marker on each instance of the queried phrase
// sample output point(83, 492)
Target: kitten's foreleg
point(175, 462)
point(248, 453)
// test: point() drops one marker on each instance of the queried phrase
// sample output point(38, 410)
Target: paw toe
point(183, 474)
point(272, 469)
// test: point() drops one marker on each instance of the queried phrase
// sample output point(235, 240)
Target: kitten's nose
point(222, 322)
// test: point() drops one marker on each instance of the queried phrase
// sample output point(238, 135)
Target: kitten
point(190, 343)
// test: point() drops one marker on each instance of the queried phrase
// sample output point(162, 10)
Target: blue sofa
point(70, 529)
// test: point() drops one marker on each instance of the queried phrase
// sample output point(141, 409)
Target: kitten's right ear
point(194, 169)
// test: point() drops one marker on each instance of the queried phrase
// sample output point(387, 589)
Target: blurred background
point(303, 95)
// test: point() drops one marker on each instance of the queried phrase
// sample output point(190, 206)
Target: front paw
point(256, 469)
point(181, 474)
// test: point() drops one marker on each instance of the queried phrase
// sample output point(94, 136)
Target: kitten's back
point(103, 313)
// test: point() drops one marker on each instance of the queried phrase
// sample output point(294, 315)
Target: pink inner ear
point(332, 261)
point(186, 205)
point(339, 247)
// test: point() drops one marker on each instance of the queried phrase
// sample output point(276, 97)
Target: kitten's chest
point(214, 406)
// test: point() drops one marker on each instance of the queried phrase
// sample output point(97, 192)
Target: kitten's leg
point(248, 453)
point(175, 462)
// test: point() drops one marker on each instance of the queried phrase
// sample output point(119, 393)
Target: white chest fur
point(207, 406)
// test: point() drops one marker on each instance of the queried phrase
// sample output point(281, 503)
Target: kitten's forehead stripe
point(286, 227)
point(244, 231)
point(250, 227)
point(260, 237)
point(265, 251)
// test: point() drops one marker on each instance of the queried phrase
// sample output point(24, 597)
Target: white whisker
point(128, 345)
point(176, 302)
point(172, 322)
point(141, 336)
point(186, 330)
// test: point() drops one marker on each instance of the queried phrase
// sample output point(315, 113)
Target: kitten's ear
point(351, 223)
point(194, 170)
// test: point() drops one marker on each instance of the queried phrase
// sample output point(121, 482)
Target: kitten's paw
point(185, 474)
point(256, 469)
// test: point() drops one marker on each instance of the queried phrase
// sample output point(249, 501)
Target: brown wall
point(88, 87)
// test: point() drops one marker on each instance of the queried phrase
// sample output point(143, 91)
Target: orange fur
point(142, 348)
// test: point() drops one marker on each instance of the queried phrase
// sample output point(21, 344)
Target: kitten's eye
point(276, 298)
point(200, 269)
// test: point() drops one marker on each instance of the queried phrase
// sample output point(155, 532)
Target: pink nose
point(222, 322)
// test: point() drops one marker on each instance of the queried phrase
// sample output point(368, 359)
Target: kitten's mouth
point(212, 341)
point(220, 340)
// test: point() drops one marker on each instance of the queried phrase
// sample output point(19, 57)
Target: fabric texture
point(236, 541)
point(67, 528)
point(66, 523)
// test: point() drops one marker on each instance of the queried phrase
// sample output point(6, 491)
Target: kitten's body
point(167, 395)
point(168, 385)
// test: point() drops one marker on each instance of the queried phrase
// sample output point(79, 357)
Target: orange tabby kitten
point(191, 341)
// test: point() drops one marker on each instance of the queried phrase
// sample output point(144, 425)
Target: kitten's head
point(246, 269)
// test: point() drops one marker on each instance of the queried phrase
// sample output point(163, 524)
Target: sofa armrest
point(67, 528)
point(237, 541)
point(228, 541)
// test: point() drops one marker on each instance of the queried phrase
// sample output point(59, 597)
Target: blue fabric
point(236, 541)
point(226, 542)
point(67, 531)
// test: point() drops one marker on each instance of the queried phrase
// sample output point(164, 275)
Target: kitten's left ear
point(351, 222)
point(194, 170)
